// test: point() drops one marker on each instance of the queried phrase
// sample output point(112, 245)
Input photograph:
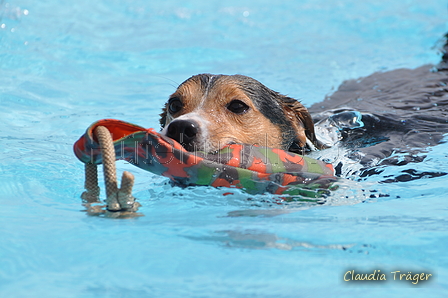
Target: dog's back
point(404, 111)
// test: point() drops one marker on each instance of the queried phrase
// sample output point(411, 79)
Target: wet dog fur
point(404, 112)
point(208, 112)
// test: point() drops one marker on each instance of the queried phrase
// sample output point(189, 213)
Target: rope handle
point(118, 201)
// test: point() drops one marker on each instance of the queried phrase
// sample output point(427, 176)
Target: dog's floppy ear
point(301, 121)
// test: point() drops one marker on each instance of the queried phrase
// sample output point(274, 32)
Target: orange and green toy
point(254, 169)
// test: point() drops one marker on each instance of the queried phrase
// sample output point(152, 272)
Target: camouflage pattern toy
point(254, 169)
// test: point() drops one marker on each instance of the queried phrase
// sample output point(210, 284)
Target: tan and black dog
point(403, 112)
point(209, 111)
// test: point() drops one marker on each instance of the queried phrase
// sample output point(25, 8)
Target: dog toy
point(251, 168)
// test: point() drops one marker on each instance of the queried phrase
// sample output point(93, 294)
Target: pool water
point(65, 65)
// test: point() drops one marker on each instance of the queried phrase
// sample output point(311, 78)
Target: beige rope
point(124, 195)
point(116, 199)
point(92, 193)
point(110, 172)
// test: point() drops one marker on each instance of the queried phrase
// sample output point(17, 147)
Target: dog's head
point(208, 112)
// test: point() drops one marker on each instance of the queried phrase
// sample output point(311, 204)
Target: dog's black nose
point(184, 132)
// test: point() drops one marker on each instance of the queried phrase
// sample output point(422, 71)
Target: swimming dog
point(403, 112)
point(209, 111)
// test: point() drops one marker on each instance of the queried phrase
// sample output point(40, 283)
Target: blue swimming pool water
point(64, 65)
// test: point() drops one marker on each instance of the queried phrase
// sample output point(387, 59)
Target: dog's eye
point(175, 105)
point(237, 106)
